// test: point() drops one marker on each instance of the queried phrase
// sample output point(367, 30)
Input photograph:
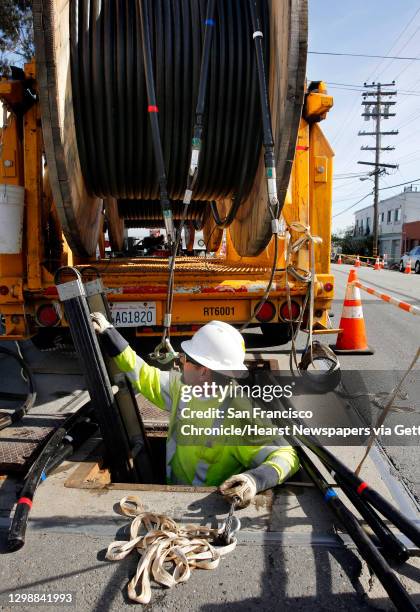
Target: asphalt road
point(393, 333)
point(395, 337)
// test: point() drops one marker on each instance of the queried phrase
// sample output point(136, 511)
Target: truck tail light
point(4, 290)
point(266, 313)
point(328, 287)
point(291, 315)
point(48, 315)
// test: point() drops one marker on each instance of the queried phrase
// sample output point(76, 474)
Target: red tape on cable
point(362, 487)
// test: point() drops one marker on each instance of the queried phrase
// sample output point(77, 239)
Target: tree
point(16, 33)
point(353, 245)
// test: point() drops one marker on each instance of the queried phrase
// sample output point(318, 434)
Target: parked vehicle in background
point(414, 255)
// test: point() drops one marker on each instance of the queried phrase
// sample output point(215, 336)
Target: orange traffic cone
point(339, 260)
point(377, 265)
point(408, 267)
point(381, 263)
point(352, 337)
point(357, 262)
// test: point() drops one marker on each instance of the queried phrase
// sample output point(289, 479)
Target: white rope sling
point(164, 541)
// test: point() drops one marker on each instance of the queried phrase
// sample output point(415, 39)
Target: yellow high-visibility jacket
point(209, 463)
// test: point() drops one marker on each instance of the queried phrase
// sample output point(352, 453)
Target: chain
point(230, 526)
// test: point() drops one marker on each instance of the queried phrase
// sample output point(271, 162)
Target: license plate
point(133, 314)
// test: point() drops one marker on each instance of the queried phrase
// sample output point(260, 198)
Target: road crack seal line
point(388, 464)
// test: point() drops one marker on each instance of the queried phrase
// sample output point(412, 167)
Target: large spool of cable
point(95, 115)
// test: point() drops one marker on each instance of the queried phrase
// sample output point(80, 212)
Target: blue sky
point(375, 27)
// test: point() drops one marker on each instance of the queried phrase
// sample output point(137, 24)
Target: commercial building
point(411, 235)
point(398, 223)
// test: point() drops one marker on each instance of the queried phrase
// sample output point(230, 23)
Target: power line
point(347, 187)
point(349, 175)
point(353, 191)
point(347, 199)
point(410, 135)
point(399, 51)
point(413, 117)
point(347, 178)
point(394, 57)
point(351, 115)
point(370, 193)
point(353, 205)
point(345, 87)
point(394, 44)
point(408, 162)
point(409, 155)
point(345, 84)
point(409, 63)
point(400, 184)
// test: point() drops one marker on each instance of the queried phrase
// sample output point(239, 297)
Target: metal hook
point(164, 352)
point(230, 527)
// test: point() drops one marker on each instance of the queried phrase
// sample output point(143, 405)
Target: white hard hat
point(217, 346)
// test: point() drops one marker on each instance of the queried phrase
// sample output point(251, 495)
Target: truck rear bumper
point(205, 289)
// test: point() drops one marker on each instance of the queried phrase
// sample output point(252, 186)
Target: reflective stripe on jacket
point(206, 464)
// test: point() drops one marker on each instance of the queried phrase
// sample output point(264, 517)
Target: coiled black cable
point(266, 122)
point(110, 101)
point(37, 472)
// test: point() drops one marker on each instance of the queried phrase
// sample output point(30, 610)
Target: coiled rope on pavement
point(164, 541)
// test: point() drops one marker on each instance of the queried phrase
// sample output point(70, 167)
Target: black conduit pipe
point(392, 548)
point(362, 489)
point(357, 485)
point(396, 591)
point(17, 531)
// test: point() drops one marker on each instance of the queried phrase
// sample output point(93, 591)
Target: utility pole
point(376, 109)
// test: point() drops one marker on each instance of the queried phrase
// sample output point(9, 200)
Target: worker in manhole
point(239, 470)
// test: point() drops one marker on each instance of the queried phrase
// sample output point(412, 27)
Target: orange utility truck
point(49, 218)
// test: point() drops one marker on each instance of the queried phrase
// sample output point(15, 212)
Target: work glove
point(240, 486)
point(99, 322)
point(245, 486)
